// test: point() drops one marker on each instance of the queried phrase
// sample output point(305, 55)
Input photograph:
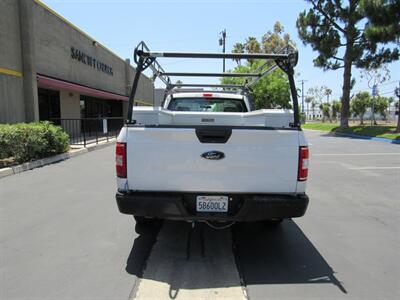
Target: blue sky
point(194, 25)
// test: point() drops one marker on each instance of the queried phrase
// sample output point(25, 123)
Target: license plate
point(212, 203)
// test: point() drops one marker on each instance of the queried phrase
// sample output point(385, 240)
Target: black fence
point(90, 130)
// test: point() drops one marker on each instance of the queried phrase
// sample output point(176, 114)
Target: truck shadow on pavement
point(279, 255)
point(141, 248)
point(260, 254)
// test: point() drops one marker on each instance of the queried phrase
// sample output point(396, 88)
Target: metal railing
point(85, 131)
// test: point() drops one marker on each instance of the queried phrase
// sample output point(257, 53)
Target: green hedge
point(26, 142)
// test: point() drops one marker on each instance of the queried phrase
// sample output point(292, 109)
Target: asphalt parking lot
point(62, 237)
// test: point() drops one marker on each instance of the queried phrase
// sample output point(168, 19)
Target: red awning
point(53, 83)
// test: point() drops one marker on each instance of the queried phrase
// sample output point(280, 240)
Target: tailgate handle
point(213, 136)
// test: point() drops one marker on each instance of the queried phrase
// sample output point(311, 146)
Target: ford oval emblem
point(213, 155)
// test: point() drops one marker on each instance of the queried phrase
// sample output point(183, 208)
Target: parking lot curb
point(357, 136)
point(52, 159)
point(364, 137)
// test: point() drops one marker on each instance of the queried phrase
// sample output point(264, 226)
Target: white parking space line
point(354, 154)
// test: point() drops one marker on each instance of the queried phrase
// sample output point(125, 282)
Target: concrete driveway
point(62, 236)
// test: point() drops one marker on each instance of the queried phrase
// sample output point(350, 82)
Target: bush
point(26, 142)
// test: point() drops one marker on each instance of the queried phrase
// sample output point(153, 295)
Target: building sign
point(90, 61)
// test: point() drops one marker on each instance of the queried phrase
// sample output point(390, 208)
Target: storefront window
point(100, 108)
point(49, 105)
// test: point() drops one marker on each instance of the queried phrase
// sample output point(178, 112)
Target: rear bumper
point(182, 206)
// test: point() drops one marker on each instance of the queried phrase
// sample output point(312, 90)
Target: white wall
point(70, 109)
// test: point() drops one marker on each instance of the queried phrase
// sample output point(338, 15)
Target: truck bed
point(277, 118)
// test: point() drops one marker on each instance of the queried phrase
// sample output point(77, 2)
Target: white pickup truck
point(206, 156)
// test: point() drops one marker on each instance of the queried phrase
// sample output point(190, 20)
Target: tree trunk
point(362, 119)
point(344, 116)
point(398, 118)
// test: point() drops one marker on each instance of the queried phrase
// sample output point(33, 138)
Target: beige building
point(50, 69)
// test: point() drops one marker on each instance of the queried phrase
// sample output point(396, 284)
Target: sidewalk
point(75, 150)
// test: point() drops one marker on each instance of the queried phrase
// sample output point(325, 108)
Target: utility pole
point(222, 40)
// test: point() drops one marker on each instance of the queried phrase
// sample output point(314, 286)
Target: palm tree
point(308, 100)
point(328, 92)
point(238, 48)
point(336, 107)
point(325, 108)
point(252, 46)
point(313, 105)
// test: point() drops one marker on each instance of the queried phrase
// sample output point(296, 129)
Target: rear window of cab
point(204, 104)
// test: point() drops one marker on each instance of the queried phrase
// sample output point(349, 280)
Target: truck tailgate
point(258, 160)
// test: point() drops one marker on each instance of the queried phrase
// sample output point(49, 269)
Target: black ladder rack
point(286, 60)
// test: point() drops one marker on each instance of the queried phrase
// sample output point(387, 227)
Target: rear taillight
point(120, 159)
point(303, 164)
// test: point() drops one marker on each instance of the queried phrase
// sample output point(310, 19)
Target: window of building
point(49, 104)
point(99, 108)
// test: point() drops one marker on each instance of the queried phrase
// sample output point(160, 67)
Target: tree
point(252, 45)
point(381, 105)
point(308, 100)
point(359, 105)
point(271, 91)
point(238, 48)
point(383, 20)
point(390, 101)
point(273, 41)
point(335, 29)
point(326, 111)
point(313, 105)
point(336, 106)
point(328, 92)
point(318, 92)
point(375, 77)
point(397, 108)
